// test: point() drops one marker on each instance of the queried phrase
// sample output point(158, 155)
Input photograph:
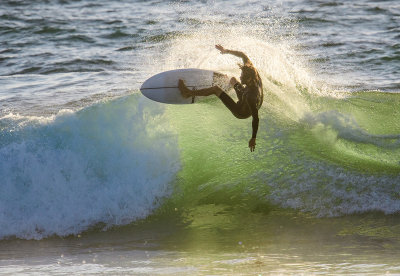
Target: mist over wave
point(320, 148)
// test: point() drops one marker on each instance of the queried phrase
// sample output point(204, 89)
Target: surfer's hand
point(252, 144)
point(220, 48)
point(233, 81)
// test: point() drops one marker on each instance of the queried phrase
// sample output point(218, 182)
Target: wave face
point(115, 162)
point(64, 174)
point(328, 163)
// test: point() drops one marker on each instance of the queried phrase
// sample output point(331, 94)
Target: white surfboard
point(163, 87)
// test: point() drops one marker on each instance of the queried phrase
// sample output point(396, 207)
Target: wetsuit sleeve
point(242, 55)
point(254, 114)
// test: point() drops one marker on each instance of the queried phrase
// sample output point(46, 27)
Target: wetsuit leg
point(231, 105)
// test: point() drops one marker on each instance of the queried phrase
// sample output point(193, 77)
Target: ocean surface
point(95, 179)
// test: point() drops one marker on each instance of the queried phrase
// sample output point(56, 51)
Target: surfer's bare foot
point(186, 92)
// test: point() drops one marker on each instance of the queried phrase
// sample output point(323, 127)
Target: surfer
point(249, 92)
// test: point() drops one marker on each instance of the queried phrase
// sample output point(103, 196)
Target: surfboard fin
point(194, 89)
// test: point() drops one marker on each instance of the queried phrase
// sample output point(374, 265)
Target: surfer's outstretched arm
point(254, 124)
point(239, 54)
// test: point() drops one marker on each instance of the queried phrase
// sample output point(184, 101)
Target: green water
point(335, 145)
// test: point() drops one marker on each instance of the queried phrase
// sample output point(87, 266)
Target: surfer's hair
point(250, 75)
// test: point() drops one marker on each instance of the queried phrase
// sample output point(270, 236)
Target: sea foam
point(109, 163)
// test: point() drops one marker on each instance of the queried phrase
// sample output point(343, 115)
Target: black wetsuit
point(250, 101)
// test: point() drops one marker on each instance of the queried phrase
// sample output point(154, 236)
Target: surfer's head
point(249, 75)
